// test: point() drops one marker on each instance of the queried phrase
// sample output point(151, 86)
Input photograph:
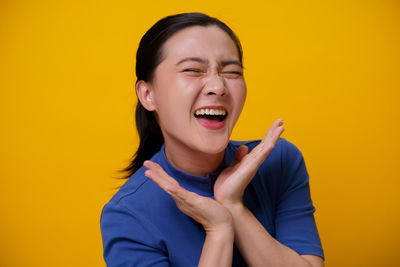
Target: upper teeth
point(210, 111)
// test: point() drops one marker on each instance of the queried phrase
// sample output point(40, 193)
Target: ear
point(144, 93)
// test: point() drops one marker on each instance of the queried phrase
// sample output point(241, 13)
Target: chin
point(214, 146)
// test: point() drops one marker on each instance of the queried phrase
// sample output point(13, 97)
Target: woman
point(209, 201)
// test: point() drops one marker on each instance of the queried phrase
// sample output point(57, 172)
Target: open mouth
point(211, 114)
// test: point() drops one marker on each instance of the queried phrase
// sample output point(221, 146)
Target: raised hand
point(231, 183)
point(206, 211)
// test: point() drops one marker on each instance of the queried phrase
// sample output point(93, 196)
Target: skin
point(178, 90)
point(174, 94)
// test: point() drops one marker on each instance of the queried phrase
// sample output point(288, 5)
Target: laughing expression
point(198, 90)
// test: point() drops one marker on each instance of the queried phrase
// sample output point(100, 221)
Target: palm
point(228, 183)
point(231, 183)
point(208, 212)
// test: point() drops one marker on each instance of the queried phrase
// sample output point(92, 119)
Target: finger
point(178, 193)
point(155, 177)
point(158, 170)
point(272, 136)
point(270, 133)
point(166, 182)
point(181, 194)
point(188, 202)
point(278, 132)
point(195, 206)
point(184, 198)
point(261, 151)
point(158, 175)
point(240, 153)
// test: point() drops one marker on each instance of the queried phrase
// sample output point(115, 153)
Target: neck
point(193, 162)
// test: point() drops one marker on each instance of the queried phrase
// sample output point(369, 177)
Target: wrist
point(235, 207)
point(223, 233)
point(222, 227)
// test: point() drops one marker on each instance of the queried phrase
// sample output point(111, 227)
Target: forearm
point(218, 248)
point(257, 246)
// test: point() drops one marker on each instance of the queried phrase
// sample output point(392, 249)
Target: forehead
point(199, 41)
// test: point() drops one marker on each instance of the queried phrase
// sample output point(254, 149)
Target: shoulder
point(138, 192)
point(138, 187)
point(132, 187)
point(134, 212)
point(138, 197)
point(130, 221)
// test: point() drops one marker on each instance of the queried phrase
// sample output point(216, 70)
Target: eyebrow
point(205, 62)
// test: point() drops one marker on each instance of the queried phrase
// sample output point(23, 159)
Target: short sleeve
point(295, 224)
point(129, 240)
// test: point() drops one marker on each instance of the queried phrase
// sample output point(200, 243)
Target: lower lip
point(211, 124)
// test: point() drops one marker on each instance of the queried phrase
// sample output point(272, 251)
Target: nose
point(215, 85)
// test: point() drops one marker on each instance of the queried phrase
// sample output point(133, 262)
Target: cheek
point(239, 92)
point(189, 85)
point(186, 90)
point(176, 97)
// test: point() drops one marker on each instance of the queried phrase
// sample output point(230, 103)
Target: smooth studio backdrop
point(329, 69)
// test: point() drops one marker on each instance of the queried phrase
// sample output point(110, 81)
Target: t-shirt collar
point(201, 185)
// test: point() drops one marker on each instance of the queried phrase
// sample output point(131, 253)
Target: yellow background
point(330, 69)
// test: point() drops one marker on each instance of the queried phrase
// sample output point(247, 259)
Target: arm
point(256, 245)
point(128, 239)
point(259, 248)
point(216, 219)
point(217, 248)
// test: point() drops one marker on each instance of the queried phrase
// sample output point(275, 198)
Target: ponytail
point(151, 139)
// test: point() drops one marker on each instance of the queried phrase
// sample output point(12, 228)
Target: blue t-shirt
point(142, 226)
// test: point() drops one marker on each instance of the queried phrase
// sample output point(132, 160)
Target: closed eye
point(192, 70)
point(232, 74)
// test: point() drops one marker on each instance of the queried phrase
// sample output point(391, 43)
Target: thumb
point(240, 153)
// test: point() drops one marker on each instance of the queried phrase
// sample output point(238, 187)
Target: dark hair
point(149, 55)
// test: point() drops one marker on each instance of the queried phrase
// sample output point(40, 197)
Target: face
point(198, 90)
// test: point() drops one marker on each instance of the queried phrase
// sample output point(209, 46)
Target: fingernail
point(146, 163)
